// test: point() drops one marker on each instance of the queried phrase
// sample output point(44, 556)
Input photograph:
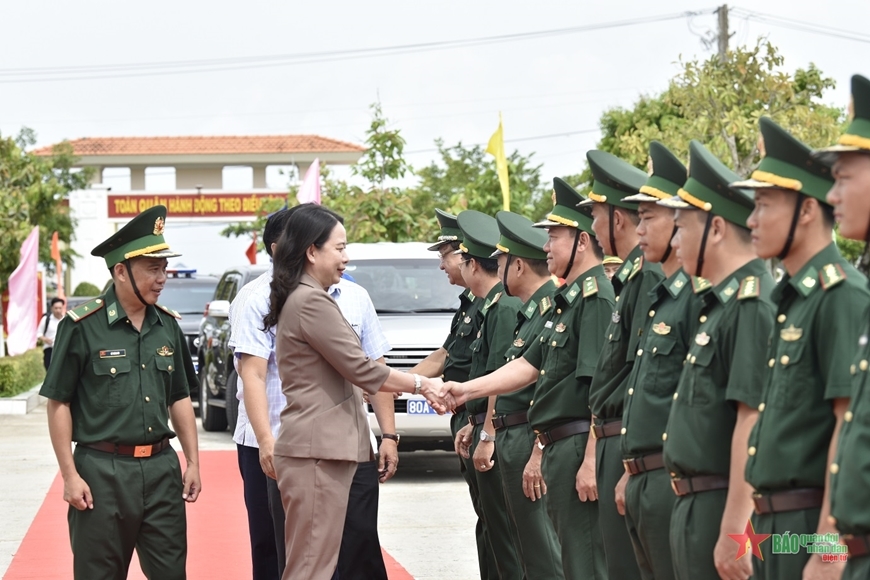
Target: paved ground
point(426, 521)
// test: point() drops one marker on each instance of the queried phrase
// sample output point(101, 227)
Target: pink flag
point(309, 191)
point(23, 306)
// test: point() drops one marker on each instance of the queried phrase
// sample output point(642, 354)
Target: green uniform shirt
point(633, 283)
point(726, 359)
point(497, 318)
point(664, 343)
point(117, 380)
point(567, 350)
point(850, 471)
point(530, 322)
point(809, 355)
point(458, 343)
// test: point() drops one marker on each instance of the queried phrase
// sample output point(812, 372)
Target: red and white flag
point(309, 191)
point(23, 313)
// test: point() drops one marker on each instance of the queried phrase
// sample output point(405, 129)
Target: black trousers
point(46, 357)
point(360, 556)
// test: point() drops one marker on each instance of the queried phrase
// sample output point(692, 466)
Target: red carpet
point(218, 544)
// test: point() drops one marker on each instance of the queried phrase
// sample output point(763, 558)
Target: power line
point(120, 70)
point(517, 140)
point(803, 26)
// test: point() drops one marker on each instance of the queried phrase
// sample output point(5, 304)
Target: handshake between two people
point(443, 397)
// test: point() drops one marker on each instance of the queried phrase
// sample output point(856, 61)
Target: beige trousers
point(315, 494)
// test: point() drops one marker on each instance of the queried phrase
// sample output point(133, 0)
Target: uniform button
point(847, 417)
point(771, 362)
point(652, 313)
point(780, 318)
point(532, 402)
point(543, 372)
point(751, 451)
point(147, 399)
point(98, 301)
point(150, 429)
point(609, 337)
point(143, 365)
point(676, 395)
point(835, 468)
point(631, 391)
point(863, 365)
point(169, 367)
point(853, 369)
point(513, 357)
point(542, 339)
point(112, 370)
point(655, 349)
point(639, 351)
point(622, 431)
point(783, 360)
point(558, 311)
point(761, 407)
point(664, 436)
point(694, 358)
point(554, 343)
point(127, 321)
point(617, 298)
point(832, 520)
point(703, 319)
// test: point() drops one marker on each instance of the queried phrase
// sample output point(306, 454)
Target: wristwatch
point(418, 384)
point(484, 436)
point(394, 436)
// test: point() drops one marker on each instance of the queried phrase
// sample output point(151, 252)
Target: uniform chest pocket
point(558, 339)
point(660, 379)
point(476, 345)
point(614, 329)
point(113, 381)
point(702, 386)
point(464, 329)
point(792, 381)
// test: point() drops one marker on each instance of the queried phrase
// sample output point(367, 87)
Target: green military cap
point(565, 212)
point(787, 164)
point(857, 135)
point(611, 260)
point(140, 237)
point(519, 237)
point(479, 234)
point(449, 230)
point(709, 188)
point(613, 180)
point(667, 176)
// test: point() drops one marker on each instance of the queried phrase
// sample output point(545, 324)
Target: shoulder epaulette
point(638, 264)
point(749, 288)
point(169, 311)
point(545, 305)
point(590, 286)
point(700, 284)
point(82, 311)
point(831, 275)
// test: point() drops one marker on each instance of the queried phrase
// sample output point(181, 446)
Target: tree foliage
point(32, 193)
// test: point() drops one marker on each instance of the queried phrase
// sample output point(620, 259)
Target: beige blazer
point(320, 359)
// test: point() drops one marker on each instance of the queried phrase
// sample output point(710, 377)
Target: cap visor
point(496, 253)
point(751, 184)
point(673, 203)
point(639, 197)
point(586, 202)
point(160, 254)
point(829, 154)
point(546, 224)
point(434, 247)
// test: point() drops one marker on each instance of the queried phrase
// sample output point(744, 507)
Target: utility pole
point(723, 32)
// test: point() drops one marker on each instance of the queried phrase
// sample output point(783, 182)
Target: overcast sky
point(544, 86)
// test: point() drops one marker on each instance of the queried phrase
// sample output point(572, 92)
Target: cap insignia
point(159, 225)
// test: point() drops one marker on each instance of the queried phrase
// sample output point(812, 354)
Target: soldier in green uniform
point(719, 391)
point(562, 361)
point(662, 347)
point(807, 387)
point(496, 319)
point(522, 264)
point(120, 371)
point(453, 362)
point(850, 471)
point(615, 222)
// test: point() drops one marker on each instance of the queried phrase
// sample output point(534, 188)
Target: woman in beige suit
point(324, 431)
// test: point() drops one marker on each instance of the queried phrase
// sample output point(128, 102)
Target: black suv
point(218, 405)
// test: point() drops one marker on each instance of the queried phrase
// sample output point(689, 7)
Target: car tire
point(232, 410)
point(213, 418)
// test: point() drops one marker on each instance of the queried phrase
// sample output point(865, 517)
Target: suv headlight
point(196, 342)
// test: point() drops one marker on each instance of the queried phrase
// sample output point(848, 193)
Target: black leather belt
point(688, 485)
point(563, 432)
point(131, 450)
point(505, 421)
point(859, 545)
point(788, 500)
point(478, 419)
point(645, 463)
point(607, 429)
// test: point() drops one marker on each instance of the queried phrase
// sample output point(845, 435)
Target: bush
point(21, 373)
point(86, 289)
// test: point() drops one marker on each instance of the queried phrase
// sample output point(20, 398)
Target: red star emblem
point(749, 540)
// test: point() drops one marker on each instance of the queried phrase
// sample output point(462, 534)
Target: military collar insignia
point(750, 287)
point(112, 313)
point(702, 339)
point(560, 327)
point(615, 317)
point(638, 264)
point(700, 284)
point(661, 328)
point(678, 284)
point(791, 333)
point(806, 282)
point(165, 351)
point(728, 291)
point(831, 275)
point(590, 286)
point(530, 309)
point(489, 304)
point(545, 305)
point(159, 226)
point(572, 293)
point(624, 271)
point(519, 343)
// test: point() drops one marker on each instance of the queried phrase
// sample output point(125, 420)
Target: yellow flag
point(495, 147)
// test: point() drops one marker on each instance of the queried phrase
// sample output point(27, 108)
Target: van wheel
point(232, 410)
point(213, 418)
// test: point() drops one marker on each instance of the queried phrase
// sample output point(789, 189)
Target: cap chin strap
point(611, 209)
point(573, 254)
point(504, 276)
point(133, 283)
point(667, 253)
point(794, 220)
point(707, 225)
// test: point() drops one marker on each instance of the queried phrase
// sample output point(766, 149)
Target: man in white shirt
point(260, 405)
point(48, 326)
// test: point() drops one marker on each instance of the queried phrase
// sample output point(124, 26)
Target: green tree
point(33, 190)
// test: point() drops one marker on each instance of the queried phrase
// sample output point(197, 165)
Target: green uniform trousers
point(485, 558)
point(694, 532)
point(499, 526)
point(783, 566)
point(575, 521)
point(857, 569)
point(649, 501)
point(617, 543)
point(137, 504)
point(539, 547)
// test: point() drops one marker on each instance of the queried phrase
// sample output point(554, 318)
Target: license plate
point(417, 407)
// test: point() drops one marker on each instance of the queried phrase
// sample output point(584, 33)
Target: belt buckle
point(592, 430)
point(674, 481)
point(626, 464)
point(142, 450)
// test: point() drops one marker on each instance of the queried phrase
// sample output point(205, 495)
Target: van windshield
point(405, 285)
